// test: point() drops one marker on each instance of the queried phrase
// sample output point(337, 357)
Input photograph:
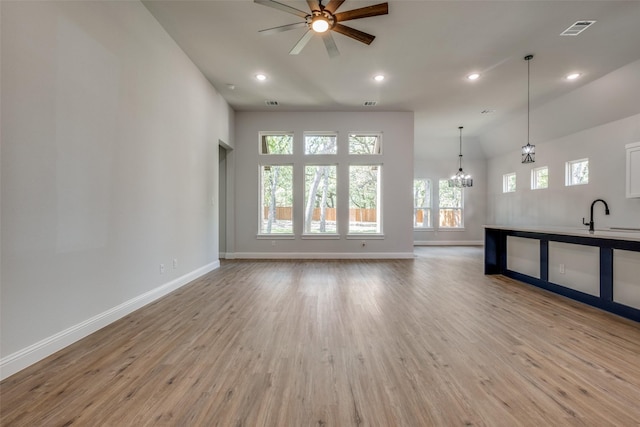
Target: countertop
point(603, 233)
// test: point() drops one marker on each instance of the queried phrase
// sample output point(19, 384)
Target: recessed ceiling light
point(572, 76)
point(378, 77)
point(473, 76)
point(261, 77)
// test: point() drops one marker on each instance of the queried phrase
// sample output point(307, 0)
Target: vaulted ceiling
point(425, 49)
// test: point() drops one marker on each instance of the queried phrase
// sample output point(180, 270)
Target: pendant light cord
point(528, 97)
point(528, 58)
point(460, 147)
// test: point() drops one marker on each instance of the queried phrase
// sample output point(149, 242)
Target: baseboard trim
point(26, 357)
point(448, 243)
point(321, 255)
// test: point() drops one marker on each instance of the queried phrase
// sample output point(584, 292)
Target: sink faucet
point(590, 223)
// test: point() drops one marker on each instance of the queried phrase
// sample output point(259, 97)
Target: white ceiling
point(425, 49)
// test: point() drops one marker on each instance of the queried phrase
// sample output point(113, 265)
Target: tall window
point(320, 199)
point(276, 190)
point(576, 172)
point(509, 182)
point(276, 143)
point(450, 212)
point(539, 178)
point(364, 199)
point(422, 203)
point(364, 143)
point(320, 143)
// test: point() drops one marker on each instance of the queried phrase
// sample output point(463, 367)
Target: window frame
point(310, 234)
point(535, 178)
point(378, 135)
point(306, 134)
point(427, 206)
point(261, 206)
point(379, 224)
point(262, 143)
point(505, 182)
point(460, 208)
point(568, 172)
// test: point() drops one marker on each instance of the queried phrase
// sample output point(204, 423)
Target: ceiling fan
point(324, 19)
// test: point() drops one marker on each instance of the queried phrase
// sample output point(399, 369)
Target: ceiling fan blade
point(283, 28)
point(354, 34)
point(363, 12)
point(283, 7)
point(314, 5)
point(333, 6)
point(301, 43)
point(330, 44)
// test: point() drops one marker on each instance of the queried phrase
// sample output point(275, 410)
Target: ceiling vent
point(370, 103)
point(271, 103)
point(577, 28)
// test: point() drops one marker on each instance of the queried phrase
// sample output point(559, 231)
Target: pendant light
point(529, 150)
point(460, 179)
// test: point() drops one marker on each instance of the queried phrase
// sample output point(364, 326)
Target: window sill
point(424, 229)
point(451, 229)
point(364, 236)
point(319, 236)
point(275, 237)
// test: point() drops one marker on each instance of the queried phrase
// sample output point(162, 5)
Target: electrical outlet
point(175, 263)
point(561, 268)
point(161, 268)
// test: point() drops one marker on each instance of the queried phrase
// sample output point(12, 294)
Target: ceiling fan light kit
point(324, 19)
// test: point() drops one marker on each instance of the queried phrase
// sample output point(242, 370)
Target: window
point(509, 182)
point(320, 199)
point(276, 143)
point(320, 143)
point(450, 204)
point(576, 172)
point(364, 143)
point(364, 199)
point(539, 178)
point(276, 190)
point(422, 203)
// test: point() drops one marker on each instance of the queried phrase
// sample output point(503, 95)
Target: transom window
point(576, 172)
point(320, 143)
point(539, 178)
point(276, 143)
point(364, 143)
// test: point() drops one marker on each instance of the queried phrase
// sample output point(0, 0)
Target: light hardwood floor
point(423, 342)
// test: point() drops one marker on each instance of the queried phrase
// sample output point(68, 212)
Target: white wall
point(109, 168)
point(397, 178)
point(559, 205)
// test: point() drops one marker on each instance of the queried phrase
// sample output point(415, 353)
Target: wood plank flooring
point(423, 342)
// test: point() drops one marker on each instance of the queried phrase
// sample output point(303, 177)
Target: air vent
point(370, 103)
point(577, 28)
point(271, 103)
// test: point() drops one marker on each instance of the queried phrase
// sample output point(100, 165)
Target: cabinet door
point(633, 170)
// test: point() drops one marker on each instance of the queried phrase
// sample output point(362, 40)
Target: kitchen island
point(601, 269)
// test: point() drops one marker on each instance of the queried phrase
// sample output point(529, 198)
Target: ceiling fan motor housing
point(317, 15)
